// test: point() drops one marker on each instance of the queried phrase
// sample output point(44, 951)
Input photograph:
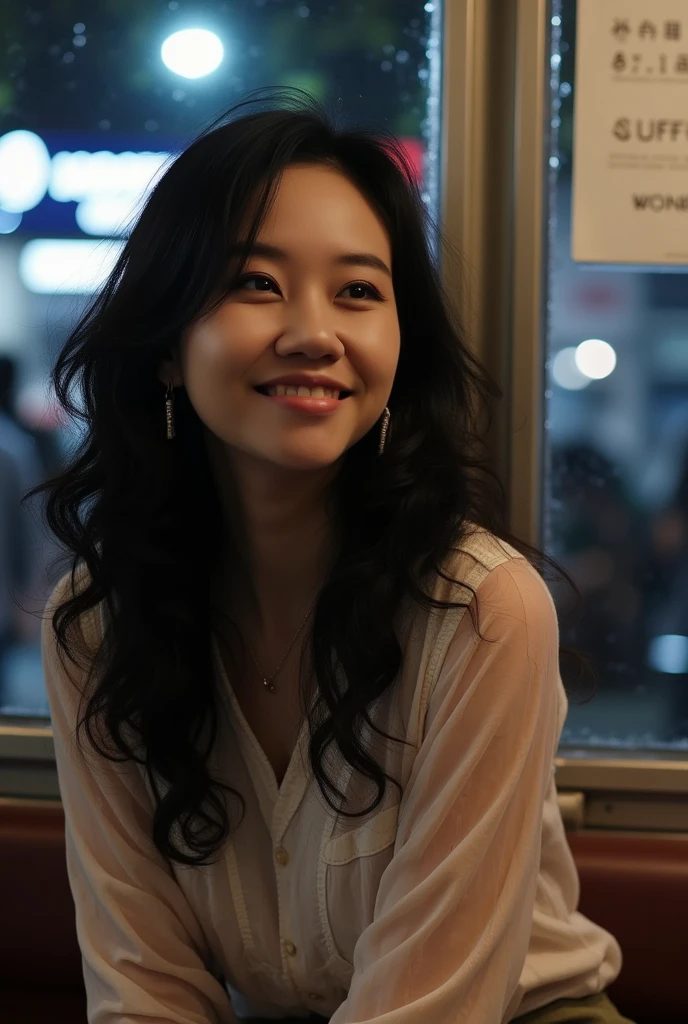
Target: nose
point(313, 346)
point(308, 335)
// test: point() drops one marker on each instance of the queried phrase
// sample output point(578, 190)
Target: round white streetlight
point(595, 358)
point(192, 52)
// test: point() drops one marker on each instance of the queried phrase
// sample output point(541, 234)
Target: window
point(616, 479)
point(100, 95)
point(595, 462)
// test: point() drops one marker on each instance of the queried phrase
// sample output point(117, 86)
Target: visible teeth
point(302, 392)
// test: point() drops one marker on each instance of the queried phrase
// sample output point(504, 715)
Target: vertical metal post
point(530, 255)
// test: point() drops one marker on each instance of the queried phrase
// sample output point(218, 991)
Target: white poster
point(630, 154)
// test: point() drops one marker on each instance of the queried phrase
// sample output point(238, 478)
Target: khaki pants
point(590, 1010)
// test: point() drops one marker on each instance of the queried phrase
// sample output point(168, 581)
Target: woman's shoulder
point(486, 547)
point(466, 567)
point(471, 560)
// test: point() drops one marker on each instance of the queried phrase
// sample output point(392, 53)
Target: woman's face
point(304, 312)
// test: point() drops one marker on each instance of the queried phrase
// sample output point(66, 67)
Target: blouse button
point(314, 996)
point(290, 948)
point(281, 855)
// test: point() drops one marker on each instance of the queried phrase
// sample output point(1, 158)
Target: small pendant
point(269, 686)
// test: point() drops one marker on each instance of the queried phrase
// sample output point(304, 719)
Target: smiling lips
point(317, 401)
point(293, 383)
point(301, 391)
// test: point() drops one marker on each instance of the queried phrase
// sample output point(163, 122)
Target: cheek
point(381, 359)
point(215, 353)
point(393, 355)
point(208, 370)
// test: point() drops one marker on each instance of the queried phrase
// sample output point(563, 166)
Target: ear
point(169, 372)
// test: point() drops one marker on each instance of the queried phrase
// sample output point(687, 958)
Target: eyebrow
point(349, 259)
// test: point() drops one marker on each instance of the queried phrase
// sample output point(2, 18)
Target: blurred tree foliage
point(109, 76)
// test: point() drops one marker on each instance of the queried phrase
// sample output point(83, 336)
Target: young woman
point(284, 552)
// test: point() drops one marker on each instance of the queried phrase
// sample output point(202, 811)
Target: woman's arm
point(454, 909)
point(143, 950)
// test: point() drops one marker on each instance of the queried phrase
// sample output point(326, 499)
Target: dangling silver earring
point(386, 416)
point(169, 412)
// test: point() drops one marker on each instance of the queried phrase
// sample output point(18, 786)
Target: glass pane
point(92, 101)
point(616, 483)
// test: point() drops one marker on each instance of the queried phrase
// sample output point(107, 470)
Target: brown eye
point(374, 293)
point(252, 277)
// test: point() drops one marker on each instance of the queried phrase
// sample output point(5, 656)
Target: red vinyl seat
point(636, 886)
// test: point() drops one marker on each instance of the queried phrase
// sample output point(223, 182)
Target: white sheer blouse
point(451, 903)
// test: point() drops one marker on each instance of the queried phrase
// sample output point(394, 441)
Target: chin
point(304, 462)
point(301, 457)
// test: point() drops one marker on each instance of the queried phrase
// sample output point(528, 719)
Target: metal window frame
point(27, 760)
point(494, 130)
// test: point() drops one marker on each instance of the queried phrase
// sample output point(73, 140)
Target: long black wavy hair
point(127, 497)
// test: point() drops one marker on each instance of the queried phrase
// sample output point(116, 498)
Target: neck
point(280, 542)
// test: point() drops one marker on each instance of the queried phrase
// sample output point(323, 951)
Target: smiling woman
point(207, 520)
point(317, 228)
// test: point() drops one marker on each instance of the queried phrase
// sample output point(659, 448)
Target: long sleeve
point(453, 913)
point(143, 951)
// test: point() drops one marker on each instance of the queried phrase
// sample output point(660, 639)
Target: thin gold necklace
point(267, 682)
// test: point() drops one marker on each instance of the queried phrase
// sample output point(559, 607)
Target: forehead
point(319, 205)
